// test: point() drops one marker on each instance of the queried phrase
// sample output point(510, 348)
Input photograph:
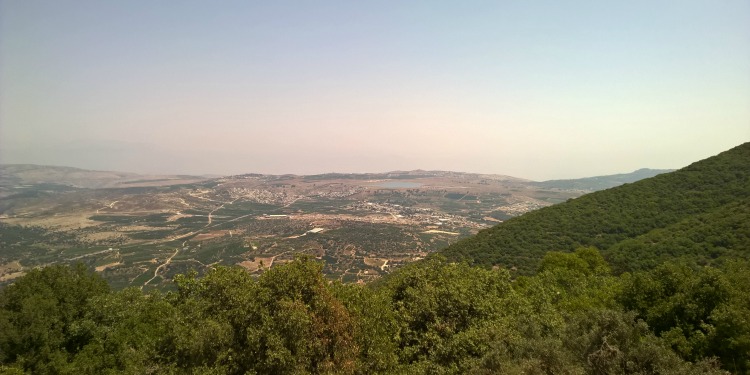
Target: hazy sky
point(534, 89)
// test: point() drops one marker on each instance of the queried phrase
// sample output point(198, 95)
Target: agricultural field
point(139, 234)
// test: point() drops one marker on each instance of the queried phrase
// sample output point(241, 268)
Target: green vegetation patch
point(151, 234)
point(572, 317)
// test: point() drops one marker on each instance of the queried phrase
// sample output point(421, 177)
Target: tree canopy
point(434, 317)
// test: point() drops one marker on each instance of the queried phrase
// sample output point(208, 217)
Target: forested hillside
point(697, 194)
point(433, 317)
point(714, 237)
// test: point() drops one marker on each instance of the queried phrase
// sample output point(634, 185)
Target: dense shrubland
point(434, 317)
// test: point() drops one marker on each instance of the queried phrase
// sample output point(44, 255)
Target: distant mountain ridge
point(84, 178)
point(601, 182)
point(21, 174)
point(630, 222)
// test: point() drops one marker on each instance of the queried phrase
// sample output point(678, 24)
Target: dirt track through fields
point(156, 271)
point(111, 205)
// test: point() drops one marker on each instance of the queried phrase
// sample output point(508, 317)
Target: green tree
point(440, 309)
point(39, 315)
point(287, 321)
point(375, 327)
point(129, 332)
point(701, 312)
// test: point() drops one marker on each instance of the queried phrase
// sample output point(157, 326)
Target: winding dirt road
point(156, 271)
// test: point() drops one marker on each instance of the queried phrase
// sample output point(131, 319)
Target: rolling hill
point(631, 224)
point(29, 174)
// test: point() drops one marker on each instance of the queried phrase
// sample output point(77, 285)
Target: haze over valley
point(141, 230)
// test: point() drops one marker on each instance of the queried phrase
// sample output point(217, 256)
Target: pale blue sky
point(534, 89)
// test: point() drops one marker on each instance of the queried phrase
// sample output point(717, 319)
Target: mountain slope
point(605, 218)
point(721, 234)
